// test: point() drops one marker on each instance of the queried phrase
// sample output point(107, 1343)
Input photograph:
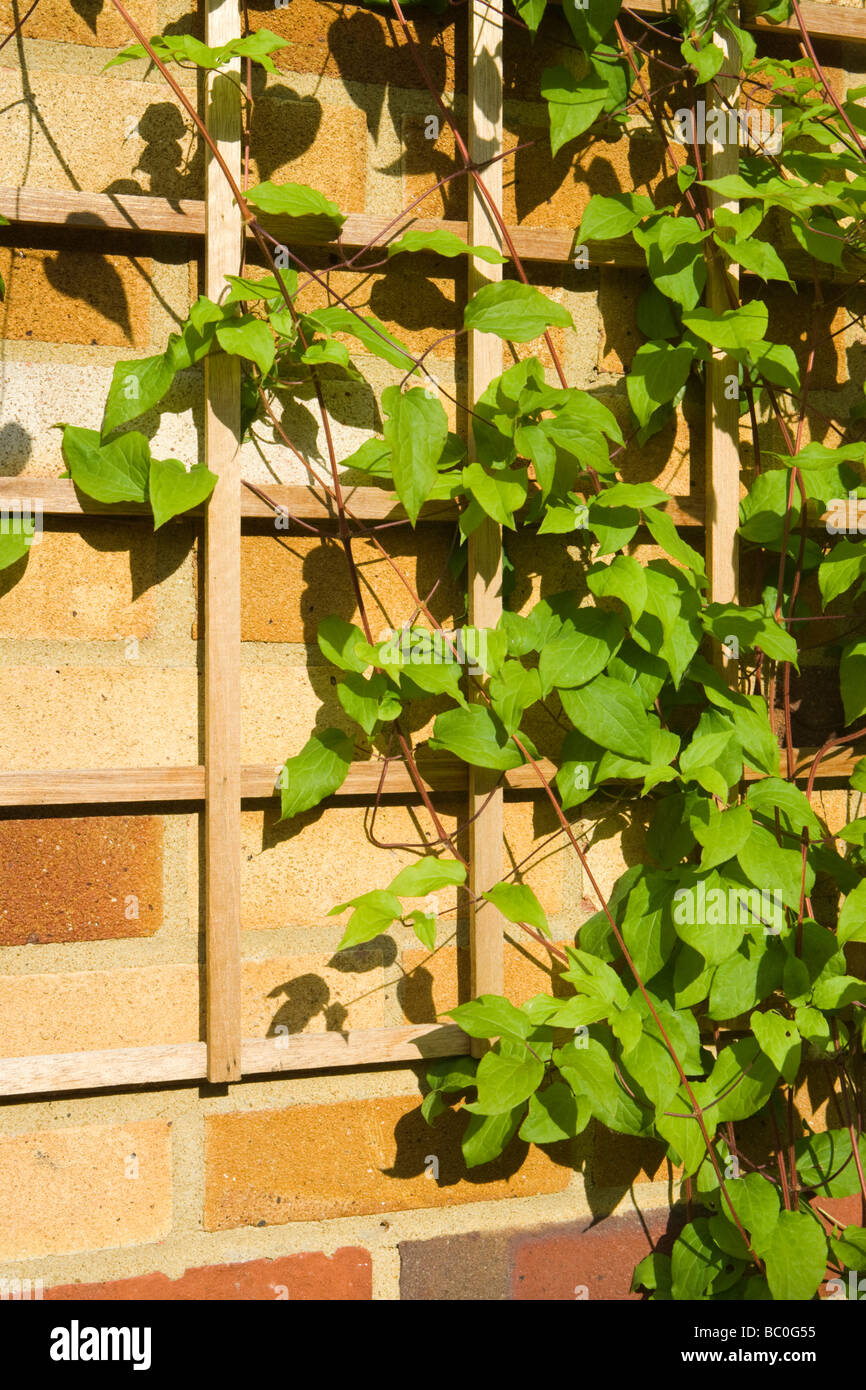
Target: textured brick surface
point(360, 46)
point(576, 1260)
point(92, 24)
point(89, 1010)
point(311, 1163)
point(290, 584)
point(539, 190)
point(303, 142)
point(434, 983)
point(471, 1267)
point(618, 1160)
point(305, 995)
point(96, 584)
point(346, 1275)
point(75, 296)
point(585, 1260)
point(87, 1188)
point(77, 878)
point(416, 305)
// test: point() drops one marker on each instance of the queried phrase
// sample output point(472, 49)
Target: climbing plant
point(717, 975)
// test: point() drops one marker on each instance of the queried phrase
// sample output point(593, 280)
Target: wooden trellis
point(222, 783)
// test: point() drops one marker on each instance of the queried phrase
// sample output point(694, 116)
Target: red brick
point(71, 878)
point(344, 1276)
point(600, 1257)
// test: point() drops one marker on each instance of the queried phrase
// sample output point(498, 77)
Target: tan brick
point(418, 308)
point(97, 583)
point(294, 873)
point(539, 190)
point(75, 296)
point(303, 994)
point(280, 708)
point(309, 1163)
point(434, 983)
point(71, 878)
point(300, 141)
point(620, 337)
point(672, 458)
point(77, 717)
point(291, 583)
point(790, 323)
point(144, 143)
point(358, 45)
point(90, 1010)
point(97, 26)
point(72, 1189)
point(618, 1160)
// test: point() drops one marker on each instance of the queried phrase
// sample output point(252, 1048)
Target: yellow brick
point(90, 1010)
point(303, 994)
point(73, 1189)
point(80, 585)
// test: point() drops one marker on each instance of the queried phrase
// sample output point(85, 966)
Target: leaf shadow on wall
point(416, 1142)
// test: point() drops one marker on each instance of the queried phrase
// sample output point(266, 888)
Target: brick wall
point(315, 1186)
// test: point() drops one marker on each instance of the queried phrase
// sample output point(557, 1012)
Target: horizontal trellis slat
point(118, 786)
point(151, 1066)
point(42, 207)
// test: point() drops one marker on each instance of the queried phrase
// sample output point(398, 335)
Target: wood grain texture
point(487, 941)
point(722, 405)
point(157, 217)
point(143, 786)
point(141, 1066)
point(59, 497)
point(222, 579)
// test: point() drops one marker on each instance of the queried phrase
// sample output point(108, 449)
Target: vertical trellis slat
point(722, 403)
point(222, 575)
point(485, 546)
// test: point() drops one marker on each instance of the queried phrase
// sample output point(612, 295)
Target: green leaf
point(732, 329)
point(591, 1075)
point(487, 1136)
point(695, 1261)
point(512, 690)
point(760, 257)
point(443, 243)
point(590, 24)
point(250, 338)
point(581, 650)
point(756, 1202)
point(658, 372)
point(795, 1255)
point(779, 1038)
point(477, 737)
point(665, 534)
point(774, 869)
point(427, 876)
point(136, 387)
point(417, 432)
point(845, 564)
point(849, 1248)
point(573, 103)
point(373, 914)
point(514, 311)
point(554, 1114)
point(852, 918)
point(518, 903)
point(852, 673)
point(13, 546)
point(723, 836)
point(370, 332)
point(309, 215)
point(610, 713)
point(771, 794)
point(173, 490)
point(507, 1075)
point(622, 578)
point(316, 772)
point(424, 927)
point(339, 641)
point(452, 1073)
point(491, 1016)
point(606, 219)
point(826, 1162)
point(115, 472)
point(755, 1076)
